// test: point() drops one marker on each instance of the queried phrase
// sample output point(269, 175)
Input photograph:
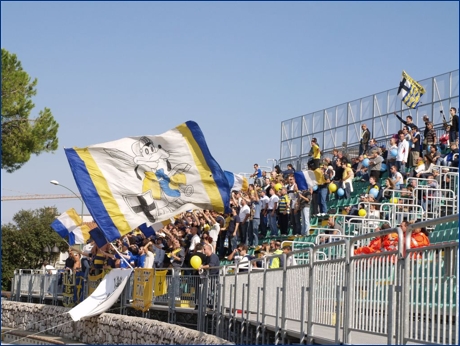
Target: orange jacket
point(419, 240)
point(373, 247)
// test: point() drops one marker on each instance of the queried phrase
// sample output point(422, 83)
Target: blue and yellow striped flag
point(69, 224)
point(148, 179)
point(410, 91)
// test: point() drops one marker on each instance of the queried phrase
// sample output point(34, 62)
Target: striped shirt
point(283, 204)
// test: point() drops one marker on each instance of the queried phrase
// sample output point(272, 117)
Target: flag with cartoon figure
point(148, 179)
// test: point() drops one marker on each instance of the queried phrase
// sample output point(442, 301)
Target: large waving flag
point(236, 182)
point(69, 224)
point(148, 179)
point(410, 91)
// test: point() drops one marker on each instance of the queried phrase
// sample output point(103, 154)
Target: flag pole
point(124, 259)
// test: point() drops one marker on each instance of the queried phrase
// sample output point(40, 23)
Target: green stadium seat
point(434, 236)
point(313, 222)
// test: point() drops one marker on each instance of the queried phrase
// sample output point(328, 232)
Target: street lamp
point(55, 182)
point(51, 251)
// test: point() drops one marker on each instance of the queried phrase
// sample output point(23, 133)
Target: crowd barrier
point(397, 297)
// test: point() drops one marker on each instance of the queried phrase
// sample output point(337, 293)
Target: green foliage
point(23, 241)
point(21, 136)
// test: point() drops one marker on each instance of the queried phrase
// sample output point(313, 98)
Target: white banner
point(105, 295)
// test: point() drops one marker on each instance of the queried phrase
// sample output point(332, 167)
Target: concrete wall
point(103, 329)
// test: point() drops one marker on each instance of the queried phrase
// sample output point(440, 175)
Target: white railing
point(395, 297)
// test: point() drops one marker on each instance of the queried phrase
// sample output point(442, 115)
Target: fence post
point(349, 290)
point(29, 294)
point(18, 292)
point(283, 299)
point(302, 314)
point(310, 296)
point(264, 295)
point(338, 293)
point(259, 324)
point(277, 328)
point(390, 315)
point(42, 288)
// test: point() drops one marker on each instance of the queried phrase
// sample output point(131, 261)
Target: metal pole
point(81, 200)
point(302, 314)
point(337, 313)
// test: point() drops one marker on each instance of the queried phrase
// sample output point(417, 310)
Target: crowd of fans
point(273, 205)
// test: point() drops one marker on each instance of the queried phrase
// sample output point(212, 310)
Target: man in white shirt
point(271, 212)
point(263, 199)
point(194, 240)
point(244, 214)
point(149, 256)
point(396, 177)
point(403, 153)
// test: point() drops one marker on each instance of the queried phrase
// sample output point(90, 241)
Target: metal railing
point(393, 297)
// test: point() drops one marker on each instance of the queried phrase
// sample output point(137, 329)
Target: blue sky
point(109, 70)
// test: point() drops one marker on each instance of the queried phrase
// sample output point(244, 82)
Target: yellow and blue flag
point(410, 91)
point(148, 179)
point(236, 182)
point(69, 224)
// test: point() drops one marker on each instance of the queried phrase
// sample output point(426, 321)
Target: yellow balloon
point(362, 212)
point(332, 187)
point(195, 261)
point(278, 187)
point(394, 200)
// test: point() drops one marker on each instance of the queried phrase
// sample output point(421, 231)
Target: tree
point(21, 136)
point(23, 241)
